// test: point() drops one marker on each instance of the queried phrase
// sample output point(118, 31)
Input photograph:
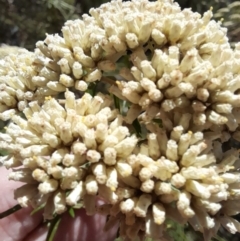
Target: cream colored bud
point(168, 105)
point(89, 139)
point(184, 143)
point(56, 86)
point(147, 70)
point(155, 95)
point(176, 77)
point(126, 146)
point(197, 173)
point(120, 132)
point(145, 174)
point(49, 185)
point(132, 40)
point(131, 181)
point(223, 108)
point(172, 152)
point(176, 133)
point(22, 175)
point(159, 213)
point(197, 189)
point(65, 69)
point(93, 156)
point(147, 186)
point(81, 85)
point(112, 181)
point(188, 60)
point(55, 171)
point(184, 121)
point(217, 119)
point(93, 76)
point(70, 102)
point(230, 177)
point(110, 156)
point(101, 132)
point(141, 208)
point(199, 119)
point(68, 183)
point(128, 205)
point(162, 188)
point(124, 168)
point(65, 132)
point(131, 95)
point(51, 139)
point(175, 31)
point(78, 148)
point(68, 160)
point(117, 43)
point(125, 192)
point(136, 73)
point(40, 175)
point(152, 229)
point(158, 37)
point(60, 202)
point(99, 170)
point(76, 194)
point(110, 141)
point(91, 185)
point(10, 161)
point(82, 58)
point(70, 172)
point(77, 70)
point(183, 205)
point(178, 180)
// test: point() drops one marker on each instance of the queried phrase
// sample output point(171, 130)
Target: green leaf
point(136, 125)
point(91, 89)
point(37, 209)
point(116, 102)
point(53, 228)
point(158, 121)
point(71, 212)
point(218, 238)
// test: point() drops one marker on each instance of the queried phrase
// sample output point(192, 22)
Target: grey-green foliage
point(87, 4)
point(227, 10)
point(230, 14)
point(24, 22)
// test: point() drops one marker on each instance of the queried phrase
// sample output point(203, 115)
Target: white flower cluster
point(165, 65)
point(67, 149)
point(18, 77)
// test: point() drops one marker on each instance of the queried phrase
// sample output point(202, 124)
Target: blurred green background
point(24, 22)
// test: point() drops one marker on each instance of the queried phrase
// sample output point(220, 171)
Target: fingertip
point(21, 221)
point(84, 228)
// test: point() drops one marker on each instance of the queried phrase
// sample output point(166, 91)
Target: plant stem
point(10, 211)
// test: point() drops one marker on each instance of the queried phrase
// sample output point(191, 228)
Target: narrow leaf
point(37, 209)
point(53, 228)
point(71, 212)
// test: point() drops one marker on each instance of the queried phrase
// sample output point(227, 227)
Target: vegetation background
point(24, 22)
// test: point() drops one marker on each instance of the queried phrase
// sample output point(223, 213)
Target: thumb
point(84, 228)
point(19, 224)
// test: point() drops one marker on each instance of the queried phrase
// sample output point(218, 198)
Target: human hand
point(21, 226)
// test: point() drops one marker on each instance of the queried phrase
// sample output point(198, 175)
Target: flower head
point(174, 80)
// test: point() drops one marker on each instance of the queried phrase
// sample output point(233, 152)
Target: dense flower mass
point(153, 147)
